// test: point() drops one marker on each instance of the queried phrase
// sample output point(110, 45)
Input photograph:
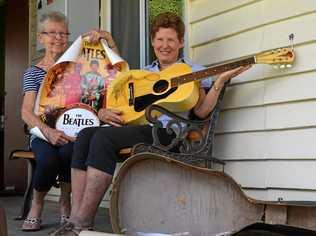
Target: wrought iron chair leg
point(209, 164)
point(27, 195)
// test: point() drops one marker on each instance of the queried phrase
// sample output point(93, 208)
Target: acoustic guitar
point(175, 88)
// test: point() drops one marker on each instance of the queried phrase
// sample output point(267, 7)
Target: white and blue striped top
point(32, 78)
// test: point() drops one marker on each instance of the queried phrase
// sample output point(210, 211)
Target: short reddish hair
point(168, 20)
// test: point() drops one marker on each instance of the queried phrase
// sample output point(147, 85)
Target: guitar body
point(134, 90)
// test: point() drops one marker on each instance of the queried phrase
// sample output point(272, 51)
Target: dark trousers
point(51, 161)
point(98, 147)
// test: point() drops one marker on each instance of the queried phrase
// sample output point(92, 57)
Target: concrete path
point(50, 217)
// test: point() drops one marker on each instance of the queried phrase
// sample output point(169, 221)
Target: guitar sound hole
point(160, 86)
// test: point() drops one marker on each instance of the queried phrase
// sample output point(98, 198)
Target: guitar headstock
point(281, 57)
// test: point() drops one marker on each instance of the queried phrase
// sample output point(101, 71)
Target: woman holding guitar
point(95, 151)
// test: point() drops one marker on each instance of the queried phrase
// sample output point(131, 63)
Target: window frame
point(105, 24)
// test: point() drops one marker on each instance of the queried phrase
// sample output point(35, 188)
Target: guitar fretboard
point(176, 81)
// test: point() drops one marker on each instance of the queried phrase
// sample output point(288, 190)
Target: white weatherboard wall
point(267, 129)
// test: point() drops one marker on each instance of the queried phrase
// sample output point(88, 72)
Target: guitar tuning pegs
point(276, 67)
point(291, 38)
point(282, 66)
point(289, 66)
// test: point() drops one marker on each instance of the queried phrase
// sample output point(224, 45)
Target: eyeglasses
point(55, 34)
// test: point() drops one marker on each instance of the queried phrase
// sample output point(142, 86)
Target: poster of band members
point(78, 81)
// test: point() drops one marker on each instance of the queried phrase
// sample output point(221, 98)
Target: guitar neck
point(176, 81)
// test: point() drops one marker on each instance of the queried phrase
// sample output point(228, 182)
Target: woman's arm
point(207, 102)
point(54, 136)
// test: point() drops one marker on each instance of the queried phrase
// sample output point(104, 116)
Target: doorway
point(2, 64)
point(130, 27)
point(15, 18)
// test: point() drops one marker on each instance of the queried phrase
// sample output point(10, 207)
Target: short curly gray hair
point(53, 16)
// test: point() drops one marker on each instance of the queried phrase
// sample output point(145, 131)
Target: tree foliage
point(158, 6)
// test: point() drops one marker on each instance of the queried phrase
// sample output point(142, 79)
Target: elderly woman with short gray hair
point(53, 157)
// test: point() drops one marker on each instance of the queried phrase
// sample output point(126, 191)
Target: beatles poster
point(79, 79)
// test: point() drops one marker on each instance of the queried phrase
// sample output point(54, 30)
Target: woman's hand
point(96, 35)
point(57, 137)
point(227, 75)
point(111, 116)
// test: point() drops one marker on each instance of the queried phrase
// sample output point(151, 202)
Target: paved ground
point(50, 217)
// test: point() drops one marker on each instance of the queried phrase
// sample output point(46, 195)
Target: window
point(130, 27)
point(125, 28)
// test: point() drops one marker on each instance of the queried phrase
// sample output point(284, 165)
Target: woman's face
point(167, 45)
point(54, 37)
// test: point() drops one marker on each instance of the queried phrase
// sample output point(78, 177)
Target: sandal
point(31, 224)
point(64, 219)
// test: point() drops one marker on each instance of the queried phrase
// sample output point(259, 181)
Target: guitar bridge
point(130, 94)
